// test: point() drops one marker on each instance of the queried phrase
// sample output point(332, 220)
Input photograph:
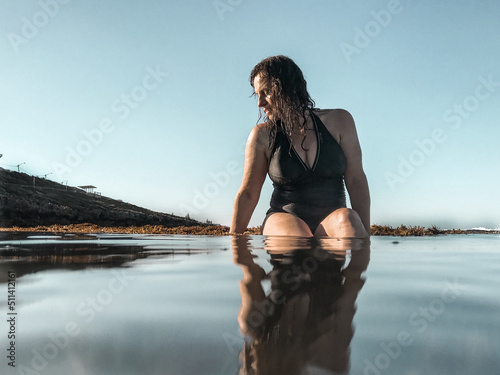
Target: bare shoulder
point(339, 122)
point(260, 134)
point(339, 117)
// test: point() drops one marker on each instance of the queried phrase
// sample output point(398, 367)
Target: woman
point(309, 154)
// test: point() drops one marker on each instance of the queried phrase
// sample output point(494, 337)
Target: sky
point(150, 101)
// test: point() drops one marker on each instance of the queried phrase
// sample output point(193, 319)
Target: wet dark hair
point(291, 100)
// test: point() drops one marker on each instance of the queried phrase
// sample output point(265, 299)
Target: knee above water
point(345, 215)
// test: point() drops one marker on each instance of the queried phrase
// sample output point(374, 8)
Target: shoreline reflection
point(303, 325)
point(32, 254)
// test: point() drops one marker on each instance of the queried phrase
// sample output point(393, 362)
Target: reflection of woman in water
point(304, 324)
point(308, 153)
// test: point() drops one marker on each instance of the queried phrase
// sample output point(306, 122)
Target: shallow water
point(144, 304)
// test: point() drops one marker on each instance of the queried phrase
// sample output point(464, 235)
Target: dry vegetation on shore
point(385, 230)
point(212, 230)
point(219, 230)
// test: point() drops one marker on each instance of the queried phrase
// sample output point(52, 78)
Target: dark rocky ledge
point(49, 203)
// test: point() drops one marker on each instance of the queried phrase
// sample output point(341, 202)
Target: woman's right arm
point(254, 174)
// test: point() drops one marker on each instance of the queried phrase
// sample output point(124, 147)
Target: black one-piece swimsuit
point(309, 193)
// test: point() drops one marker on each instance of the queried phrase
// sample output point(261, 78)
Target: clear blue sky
point(150, 101)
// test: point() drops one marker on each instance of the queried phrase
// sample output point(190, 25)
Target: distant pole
point(33, 181)
point(18, 169)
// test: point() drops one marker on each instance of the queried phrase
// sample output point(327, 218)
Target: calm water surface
point(142, 304)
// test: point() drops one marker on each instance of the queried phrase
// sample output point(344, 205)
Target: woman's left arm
point(354, 176)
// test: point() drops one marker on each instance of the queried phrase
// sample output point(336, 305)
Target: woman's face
point(263, 91)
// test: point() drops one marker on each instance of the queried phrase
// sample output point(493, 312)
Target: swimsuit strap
point(318, 124)
point(322, 129)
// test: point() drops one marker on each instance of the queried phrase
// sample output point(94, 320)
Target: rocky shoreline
point(403, 230)
point(221, 230)
point(213, 230)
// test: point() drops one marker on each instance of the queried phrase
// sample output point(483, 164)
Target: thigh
point(343, 222)
point(285, 224)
